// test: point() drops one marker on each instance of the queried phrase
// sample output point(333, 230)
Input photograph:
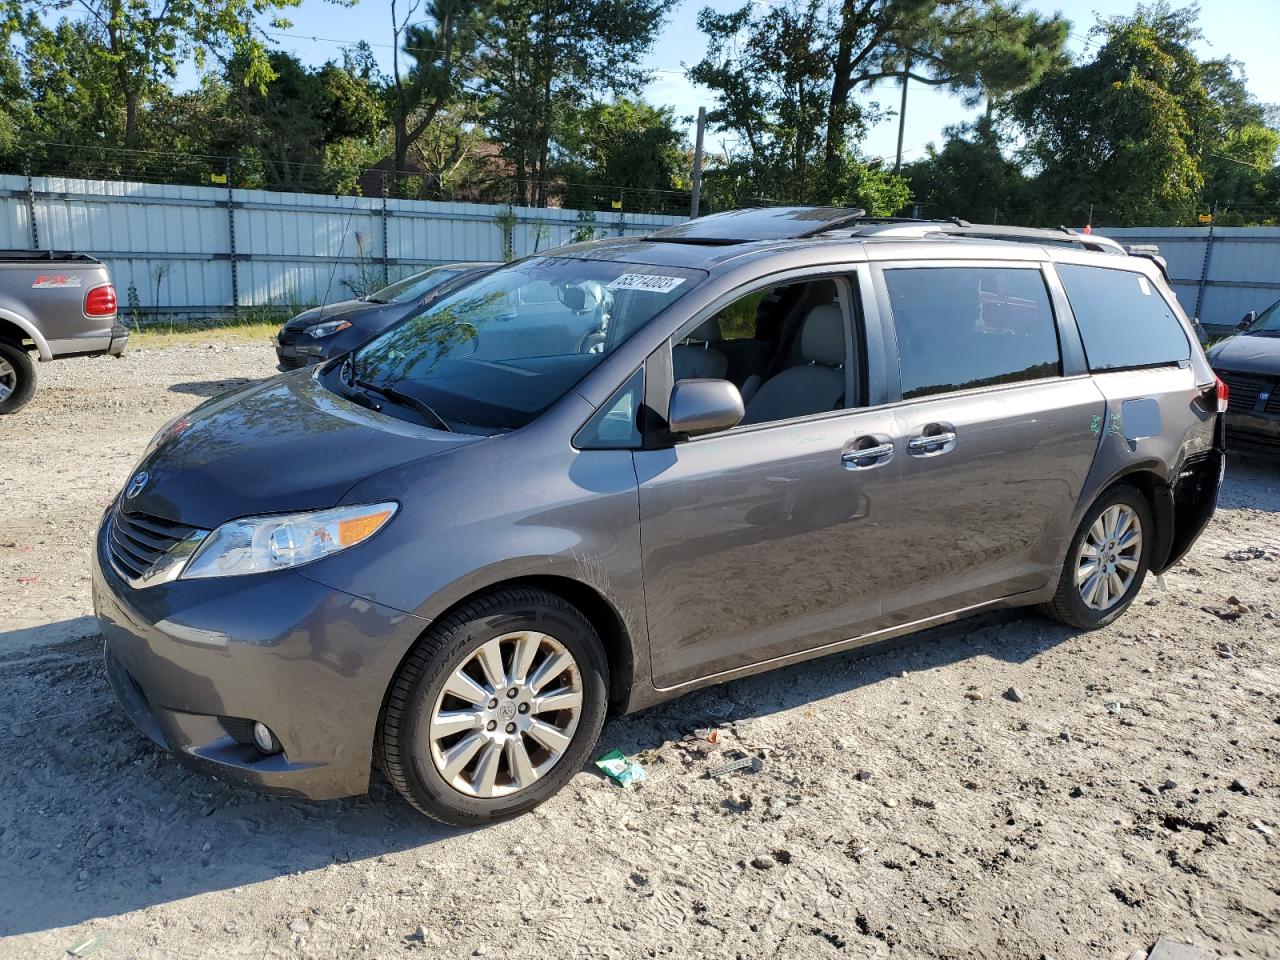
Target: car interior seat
point(813, 386)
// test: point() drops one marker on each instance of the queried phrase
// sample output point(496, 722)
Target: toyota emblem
point(136, 484)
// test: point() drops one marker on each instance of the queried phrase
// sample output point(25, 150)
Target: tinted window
point(1123, 319)
point(498, 352)
point(963, 327)
point(411, 288)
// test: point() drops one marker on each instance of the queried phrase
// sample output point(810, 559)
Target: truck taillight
point(100, 301)
point(1224, 394)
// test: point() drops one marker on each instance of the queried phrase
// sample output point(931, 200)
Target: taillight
point(1224, 394)
point(100, 301)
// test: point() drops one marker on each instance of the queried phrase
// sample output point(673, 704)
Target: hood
point(277, 446)
point(1255, 353)
point(360, 313)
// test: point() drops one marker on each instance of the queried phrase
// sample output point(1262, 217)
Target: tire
point(17, 377)
point(1069, 604)
point(417, 738)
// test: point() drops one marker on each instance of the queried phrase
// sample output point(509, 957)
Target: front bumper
point(191, 661)
point(297, 349)
point(1255, 426)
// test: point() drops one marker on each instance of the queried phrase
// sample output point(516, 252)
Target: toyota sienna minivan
point(603, 476)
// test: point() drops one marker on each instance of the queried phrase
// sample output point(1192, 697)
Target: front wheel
point(17, 377)
point(495, 709)
point(1107, 562)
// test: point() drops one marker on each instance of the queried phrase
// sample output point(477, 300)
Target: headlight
point(260, 544)
point(322, 330)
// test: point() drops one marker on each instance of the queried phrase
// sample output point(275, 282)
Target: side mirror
point(1247, 321)
point(704, 406)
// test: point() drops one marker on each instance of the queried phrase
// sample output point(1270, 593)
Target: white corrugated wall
point(170, 246)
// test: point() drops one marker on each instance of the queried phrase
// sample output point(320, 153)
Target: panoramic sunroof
point(759, 223)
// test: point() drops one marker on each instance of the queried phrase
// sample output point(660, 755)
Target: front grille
point(137, 540)
point(1273, 405)
point(1243, 391)
point(291, 363)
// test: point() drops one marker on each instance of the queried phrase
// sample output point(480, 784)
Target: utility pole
point(902, 117)
point(696, 197)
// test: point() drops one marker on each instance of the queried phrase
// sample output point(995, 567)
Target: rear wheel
point(1107, 562)
point(17, 377)
point(497, 707)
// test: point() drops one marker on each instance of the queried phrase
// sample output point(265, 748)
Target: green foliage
point(624, 147)
point(545, 60)
point(971, 177)
point(784, 77)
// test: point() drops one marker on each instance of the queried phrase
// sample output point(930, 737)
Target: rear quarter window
point(1123, 318)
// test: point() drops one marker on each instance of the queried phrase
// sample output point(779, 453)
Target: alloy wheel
point(1109, 557)
point(506, 715)
point(8, 379)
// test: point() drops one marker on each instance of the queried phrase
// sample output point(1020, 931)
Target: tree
point(971, 177)
point(545, 59)
point(624, 145)
point(142, 42)
point(1132, 133)
point(785, 77)
point(440, 53)
point(295, 120)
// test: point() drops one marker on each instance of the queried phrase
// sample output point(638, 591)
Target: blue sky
point(1246, 30)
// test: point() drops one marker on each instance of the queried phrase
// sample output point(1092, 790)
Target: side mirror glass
point(704, 406)
point(1247, 321)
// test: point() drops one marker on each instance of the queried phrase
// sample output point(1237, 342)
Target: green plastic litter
point(86, 946)
point(620, 767)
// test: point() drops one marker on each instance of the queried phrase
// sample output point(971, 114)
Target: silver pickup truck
point(54, 305)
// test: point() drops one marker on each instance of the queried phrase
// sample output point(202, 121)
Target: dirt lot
point(907, 806)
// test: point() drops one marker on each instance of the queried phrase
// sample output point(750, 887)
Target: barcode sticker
point(1144, 286)
point(641, 281)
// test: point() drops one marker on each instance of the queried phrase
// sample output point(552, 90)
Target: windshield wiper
point(404, 400)
point(375, 300)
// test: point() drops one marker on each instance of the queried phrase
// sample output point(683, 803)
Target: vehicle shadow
point(209, 388)
point(96, 820)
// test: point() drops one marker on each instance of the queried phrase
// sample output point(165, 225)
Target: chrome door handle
point(926, 443)
point(867, 457)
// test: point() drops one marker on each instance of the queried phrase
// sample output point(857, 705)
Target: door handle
point(934, 439)
point(877, 454)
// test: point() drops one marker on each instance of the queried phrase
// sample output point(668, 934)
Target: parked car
point(454, 550)
point(1249, 363)
point(53, 304)
point(315, 335)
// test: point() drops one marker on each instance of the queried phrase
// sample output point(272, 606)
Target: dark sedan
point(1249, 363)
point(315, 335)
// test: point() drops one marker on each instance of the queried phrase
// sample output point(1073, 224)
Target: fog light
point(264, 739)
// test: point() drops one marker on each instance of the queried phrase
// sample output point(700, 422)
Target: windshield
point(495, 354)
point(1268, 320)
point(411, 288)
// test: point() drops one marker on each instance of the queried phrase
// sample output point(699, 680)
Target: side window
point(616, 425)
point(1123, 320)
point(786, 348)
point(965, 327)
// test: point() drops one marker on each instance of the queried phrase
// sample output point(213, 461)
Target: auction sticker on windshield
point(641, 281)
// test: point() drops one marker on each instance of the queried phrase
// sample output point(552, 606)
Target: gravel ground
point(909, 804)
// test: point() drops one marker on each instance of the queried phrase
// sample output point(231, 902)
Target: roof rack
point(886, 227)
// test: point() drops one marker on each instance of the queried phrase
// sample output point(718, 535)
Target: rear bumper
point(191, 661)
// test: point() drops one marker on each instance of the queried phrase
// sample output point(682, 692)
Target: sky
point(1245, 30)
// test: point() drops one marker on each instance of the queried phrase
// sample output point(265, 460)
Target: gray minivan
point(800, 430)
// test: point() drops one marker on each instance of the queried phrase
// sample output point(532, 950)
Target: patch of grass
point(169, 334)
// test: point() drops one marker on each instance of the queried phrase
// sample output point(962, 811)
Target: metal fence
point(210, 251)
point(1219, 273)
